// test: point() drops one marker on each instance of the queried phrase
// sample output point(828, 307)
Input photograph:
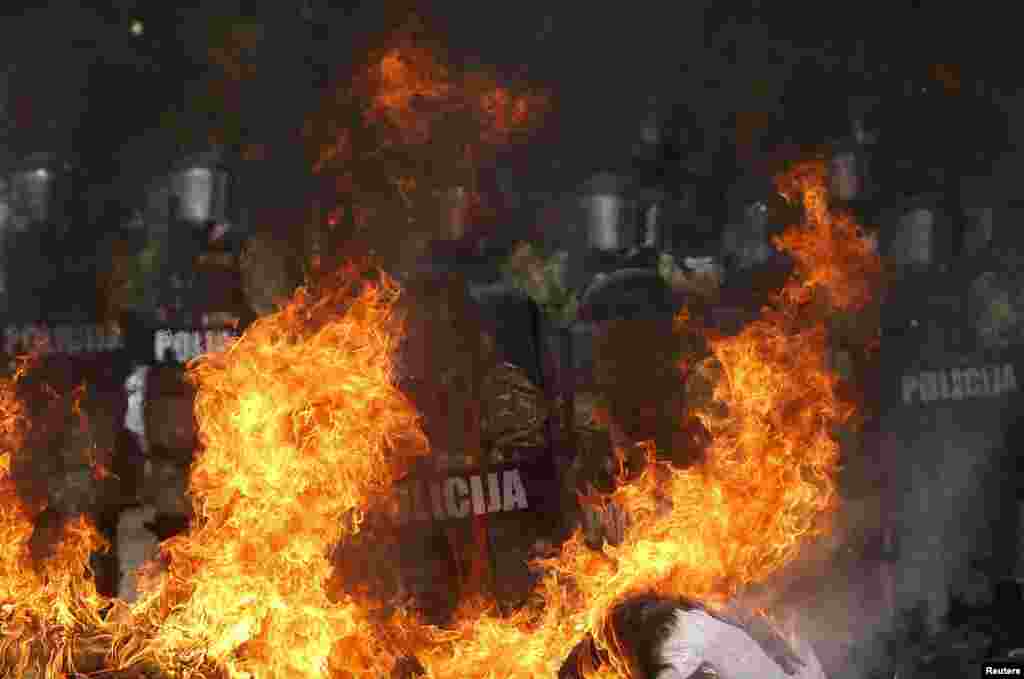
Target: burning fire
point(45, 603)
point(408, 81)
point(427, 126)
point(832, 251)
point(411, 89)
point(304, 432)
point(766, 486)
point(414, 92)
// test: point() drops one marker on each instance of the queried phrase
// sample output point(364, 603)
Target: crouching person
point(662, 638)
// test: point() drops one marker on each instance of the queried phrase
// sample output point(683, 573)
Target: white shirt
point(134, 417)
point(698, 638)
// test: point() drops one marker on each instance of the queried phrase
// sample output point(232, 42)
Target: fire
point(302, 428)
point(304, 432)
point(48, 603)
point(831, 250)
point(506, 113)
point(408, 80)
point(415, 92)
point(767, 485)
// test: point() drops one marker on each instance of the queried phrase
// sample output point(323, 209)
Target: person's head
point(640, 627)
point(637, 630)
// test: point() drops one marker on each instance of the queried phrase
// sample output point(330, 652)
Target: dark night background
point(78, 77)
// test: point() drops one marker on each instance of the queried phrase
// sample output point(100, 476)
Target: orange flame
point(405, 75)
point(413, 91)
point(831, 250)
point(304, 432)
point(303, 428)
point(767, 484)
point(41, 604)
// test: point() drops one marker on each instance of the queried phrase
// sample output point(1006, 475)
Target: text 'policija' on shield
point(957, 384)
point(455, 497)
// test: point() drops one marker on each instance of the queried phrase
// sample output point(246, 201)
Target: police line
point(93, 338)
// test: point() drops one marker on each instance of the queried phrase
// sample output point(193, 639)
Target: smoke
point(834, 595)
point(951, 501)
point(830, 598)
point(934, 479)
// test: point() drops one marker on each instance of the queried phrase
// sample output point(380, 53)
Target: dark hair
point(639, 627)
point(642, 624)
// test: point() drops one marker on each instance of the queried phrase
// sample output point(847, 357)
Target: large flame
point(304, 432)
point(767, 485)
point(302, 429)
point(47, 602)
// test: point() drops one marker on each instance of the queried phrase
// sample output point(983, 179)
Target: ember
point(414, 92)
